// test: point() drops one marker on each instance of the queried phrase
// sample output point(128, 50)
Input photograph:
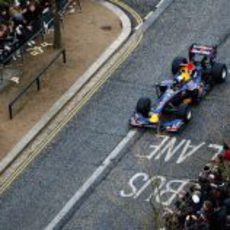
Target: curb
point(78, 85)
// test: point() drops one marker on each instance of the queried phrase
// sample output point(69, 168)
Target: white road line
point(219, 149)
point(138, 26)
point(57, 221)
point(148, 15)
point(159, 3)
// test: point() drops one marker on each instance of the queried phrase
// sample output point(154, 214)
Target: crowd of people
point(206, 204)
point(20, 20)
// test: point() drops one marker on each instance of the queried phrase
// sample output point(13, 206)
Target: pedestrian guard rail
point(36, 81)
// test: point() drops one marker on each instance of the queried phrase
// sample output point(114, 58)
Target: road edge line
point(152, 18)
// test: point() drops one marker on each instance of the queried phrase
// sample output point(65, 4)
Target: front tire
point(143, 106)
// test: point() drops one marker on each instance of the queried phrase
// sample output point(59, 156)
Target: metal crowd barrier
point(36, 80)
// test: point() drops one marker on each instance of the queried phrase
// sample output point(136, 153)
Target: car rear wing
point(203, 50)
point(208, 51)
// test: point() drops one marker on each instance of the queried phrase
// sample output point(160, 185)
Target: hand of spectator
point(30, 28)
point(18, 30)
point(8, 48)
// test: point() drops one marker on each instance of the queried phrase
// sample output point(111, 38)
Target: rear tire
point(219, 72)
point(177, 61)
point(143, 106)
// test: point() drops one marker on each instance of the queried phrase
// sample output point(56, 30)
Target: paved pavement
point(70, 159)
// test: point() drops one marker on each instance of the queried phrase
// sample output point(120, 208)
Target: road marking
point(159, 3)
point(219, 149)
point(162, 192)
point(138, 26)
point(91, 181)
point(169, 147)
point(9, 180)
point(130, 10)
point(148, 15)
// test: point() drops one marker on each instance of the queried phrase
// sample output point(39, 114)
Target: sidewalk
point(86, 35)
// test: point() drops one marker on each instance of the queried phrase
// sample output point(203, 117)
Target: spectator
point(206, 215)
point(226, 152)
point(4, 13)
point(16, 12)
point(45, 4)
point(206, 204)
point(32, 17)
point(20, 20)
point(4, 46)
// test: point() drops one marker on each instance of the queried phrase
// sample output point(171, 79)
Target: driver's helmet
point(186, 71)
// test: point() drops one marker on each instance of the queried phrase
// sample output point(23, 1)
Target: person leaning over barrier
point(226, 152)
point(223, 156)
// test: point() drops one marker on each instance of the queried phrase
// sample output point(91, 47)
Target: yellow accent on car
point(186, 76)
point(185, 73)
point(154, 118)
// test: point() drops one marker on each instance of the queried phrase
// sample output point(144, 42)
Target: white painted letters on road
point(188, 151)
point(157, 188)
point(167, 195)
point(219, 149)
point(163, 192)
point(157, 147)
point(156, 182)
point(170, 147)
point(137, 176)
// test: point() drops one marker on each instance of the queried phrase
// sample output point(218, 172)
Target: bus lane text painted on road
point(163, 190)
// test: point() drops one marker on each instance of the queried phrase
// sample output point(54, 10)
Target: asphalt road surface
point(143, 7)
point(121, 200)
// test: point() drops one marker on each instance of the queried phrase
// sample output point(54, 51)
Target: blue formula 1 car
point(191, 81)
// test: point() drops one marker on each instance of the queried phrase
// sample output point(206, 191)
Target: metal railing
point(36, 80)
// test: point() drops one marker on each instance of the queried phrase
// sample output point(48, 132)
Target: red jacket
point(226, 154)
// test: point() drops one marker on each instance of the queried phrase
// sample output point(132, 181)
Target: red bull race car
point(191, 80)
